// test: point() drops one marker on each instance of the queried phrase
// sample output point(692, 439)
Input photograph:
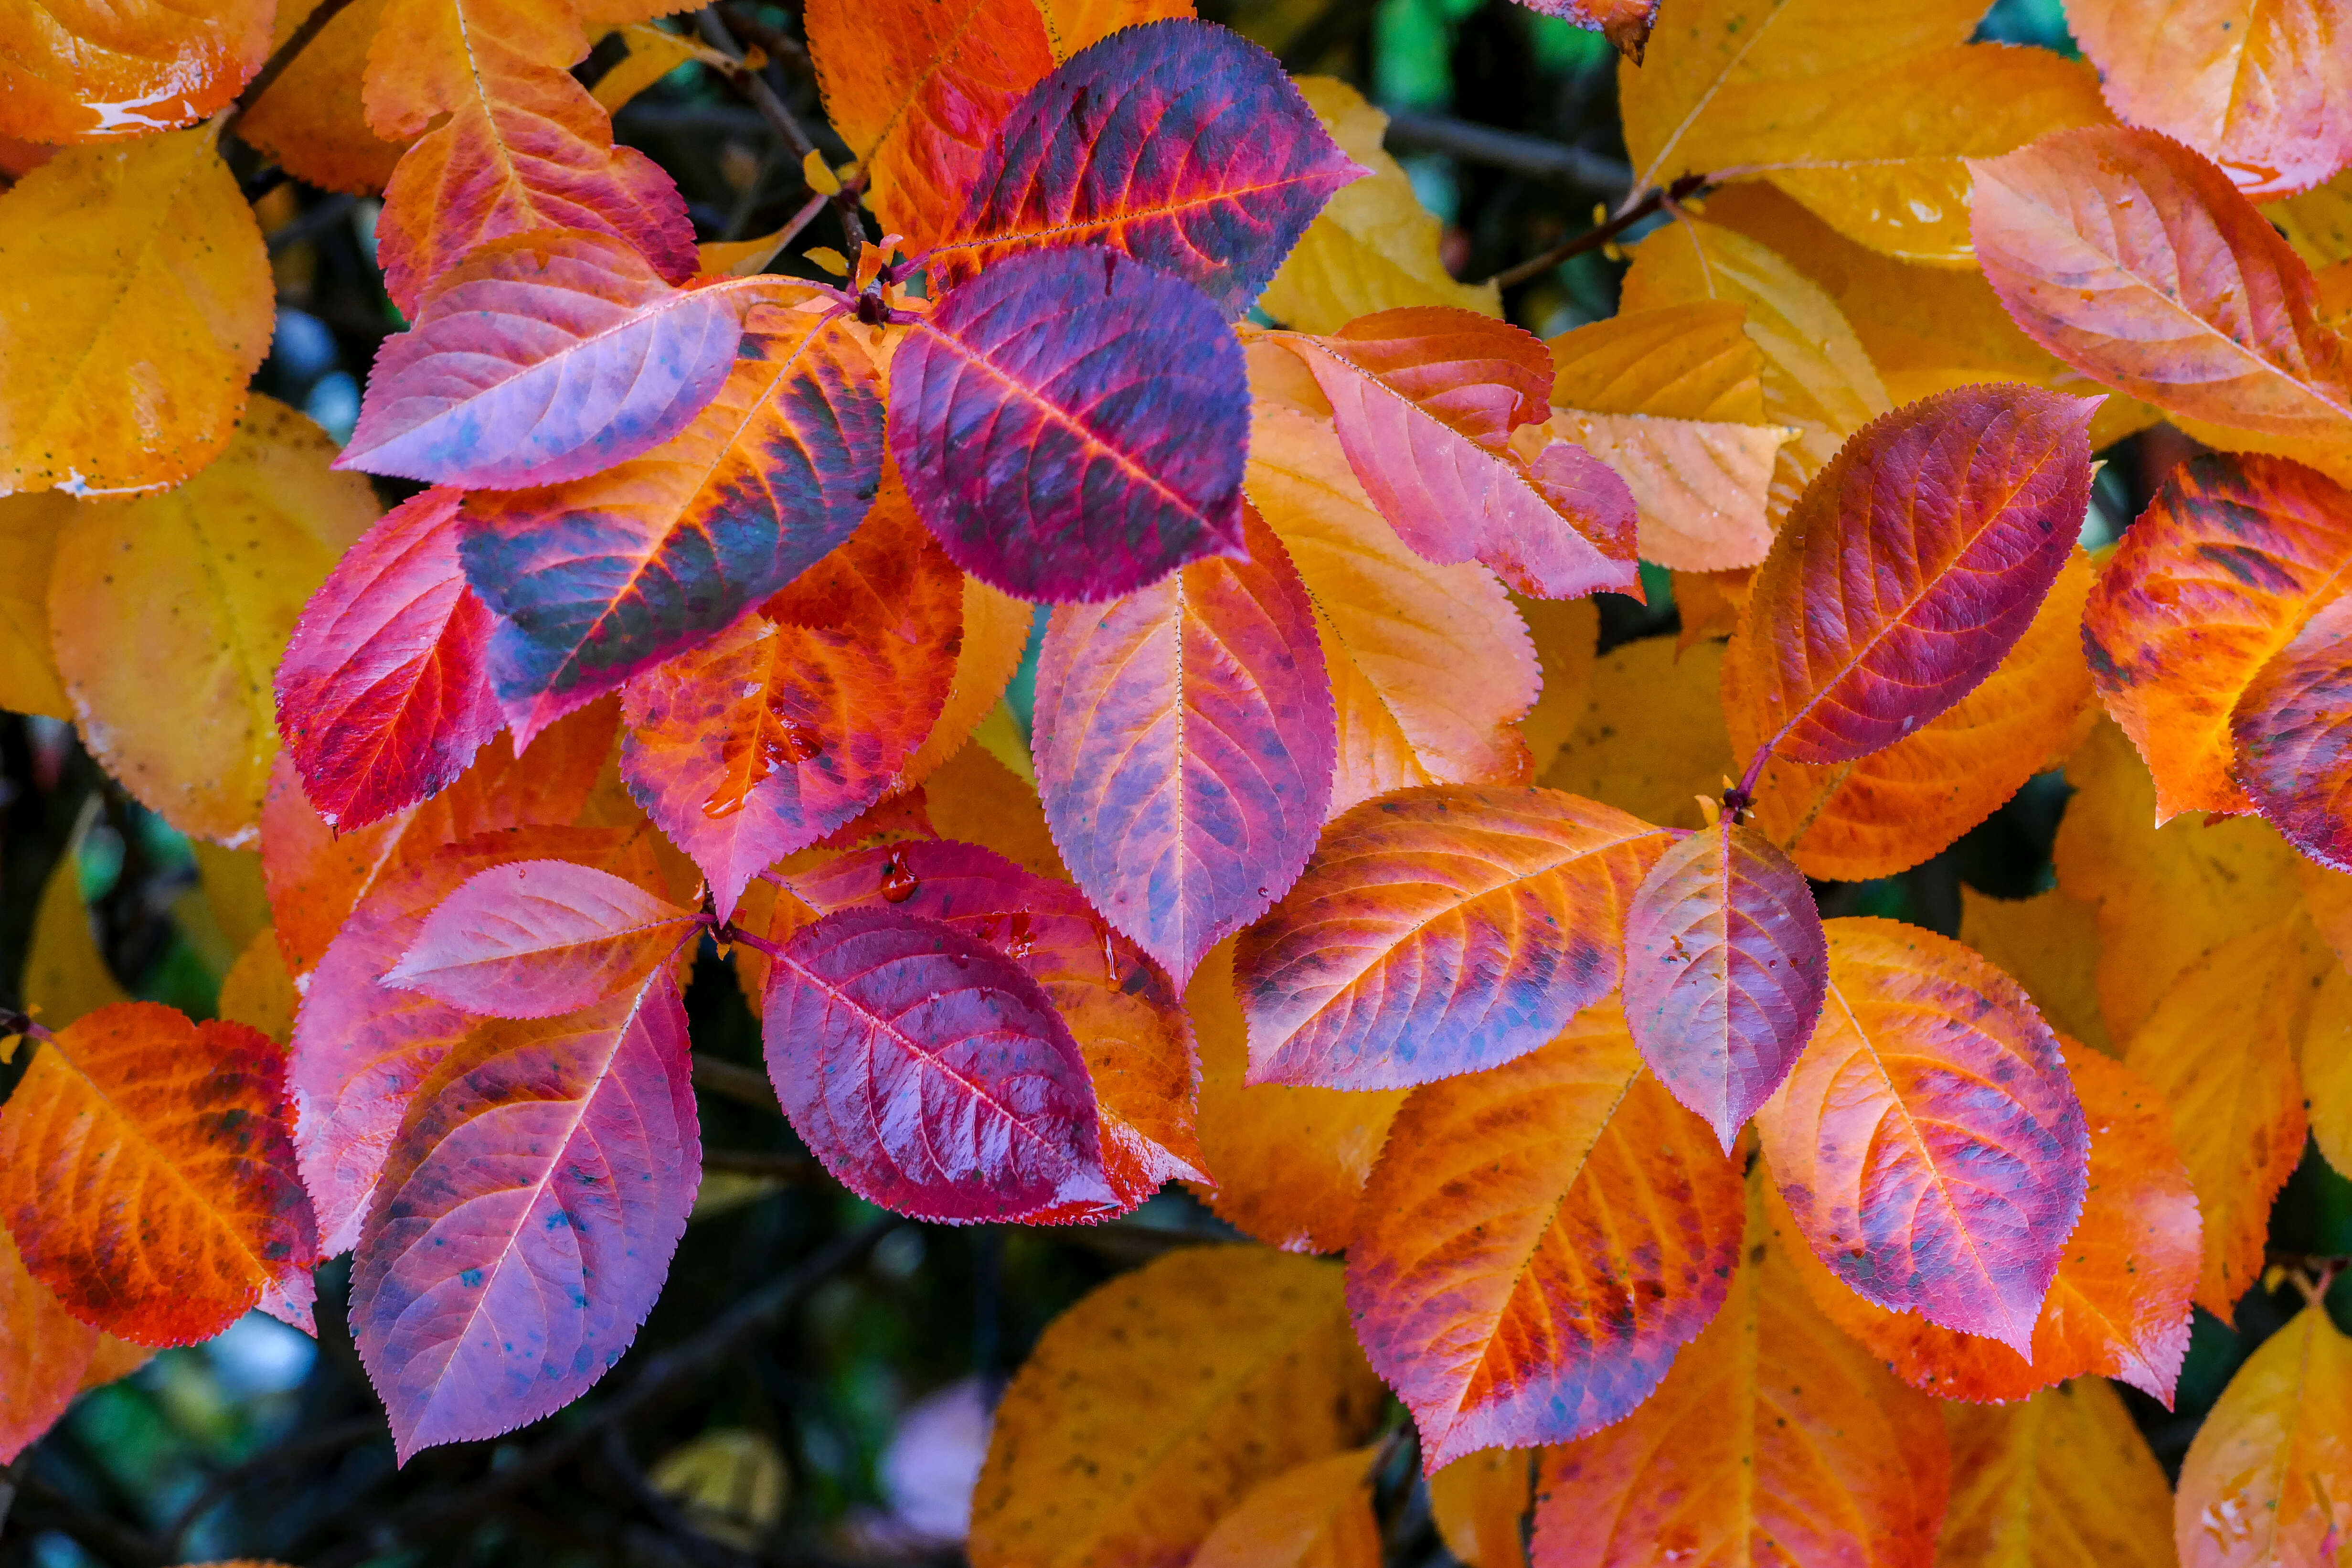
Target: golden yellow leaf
point(30, 527)
point(1651, 738)
point(1157, 1403)
point(1815, 375)
point(2048, 943)
point(999, 734)
point(1317, 1515)
point(1373, 246)
point(730, 1481)
point(975, 798)
point(311, 120)
point(1072, 24)
point(260, 990)
point(178, 605)
point(2165, 897)
point(2061, 1480)
point(135, 303)
point(2325, 1059)
point(2327, 899)
point(1479, 1502)
point(1566, 634)
point(1709, 603)
point(65, 975)
point(2318, 223)
point(232, 885)
point(1690, 360)
point(653, 55)
point(995, 633)
point(1289, 1163)
point(2221, 1047)
point(1703, 488)
point(2268, 1480)
point(114, 1358)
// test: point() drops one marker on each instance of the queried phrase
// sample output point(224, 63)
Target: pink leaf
point(1726, 967)
point(383, 696)
point(1184, 744)
point(543, 357)
point(2294, 731)
point(1073, 425)
point(537, 938)
point(529, 1211)
point(929, 1074)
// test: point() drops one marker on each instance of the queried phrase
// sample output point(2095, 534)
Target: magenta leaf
point(1184, 743)
point(384, 696)
point(929, 1074)
point(2294, 731)
point(1178, 142)
point(1073, 425)
point(543, 357)
point(534, 939)
point(1726, 967)
point(529, 1211)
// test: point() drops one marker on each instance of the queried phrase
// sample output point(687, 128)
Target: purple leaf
point(535, 939)
point(2294, 731)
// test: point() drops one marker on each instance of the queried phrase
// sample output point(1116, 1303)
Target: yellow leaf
point(176, 606)
point(310, 120)
point(1815, 375)
point(1072, 24)
point(1289, 1163)
point(730, 1481)
point(1690, 360)
point(2326, 1062)
point(2049, 945)
point(2061, 1480)
point(135, 303)
point(2318, 223)
point(653, 55)
point(1479, 1502)
point(29, 526)
point(999, 734)
point(1318, 1515)
point(1373, 246)
point(65, 975)
point(260, 990)
point(232, 886)
point(2268, 1480)
point(2165, 897)
point(1157, 1403)
point(2220, 1048)
point(1566, 634)
point(979, 800)
point(995, 633)
point(1703, 488)
point(1652, 735)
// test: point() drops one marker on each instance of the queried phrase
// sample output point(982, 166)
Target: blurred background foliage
point(848, 1426)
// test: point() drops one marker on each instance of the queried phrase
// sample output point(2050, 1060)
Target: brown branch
point(736, 1081)
point(1534, 156)
point(773, 109)
point(1655, 202)
point(283, 55)
point(797, 1169)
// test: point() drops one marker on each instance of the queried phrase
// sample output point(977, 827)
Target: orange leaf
point(311, 120)
point(531, 939)
point(147, 1172)
point(1075, 24)
point(1289, 1164)
point(1318, 1515)
point(2327, 1065)
point(1154, 1406)
point(1651, 737)
point(978, 800)
point(1537, 1241)
point(2268, 1480)
point(45, 1352)
point(1773, 1440)
point(2219, 1047)
point(2048, 943)
point(1700, 489)
point(1689, 361)
point(2118, 1306)
point(2062, 1481)
point(1480, 1502)
point(82, 69)
point(1928, 1141)
point(996, 635)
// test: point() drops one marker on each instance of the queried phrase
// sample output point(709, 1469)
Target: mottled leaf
point(1928, 1141)
point(1178, 142)
point(2289, 730)
point(545, 357)
point(530, 1205)
point(1910, 567)
point(384, 696)
point(80, 70)
point(2268, 1479)
point(146, 1174)
point(1626, 24)
point(1072, 424)
point(1725, 968)
point(1537, 1241)
point(1440, 930)
point(930, 1074)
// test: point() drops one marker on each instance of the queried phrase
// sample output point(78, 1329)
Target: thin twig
point(773, 109)
point(1534, 156)
point(1594, 238)
point(795, 1168)
point(736, 1081)
point(283, 55)
point(285, 1456)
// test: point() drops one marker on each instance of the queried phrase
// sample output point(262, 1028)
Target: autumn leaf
point(2267, 1479)
point(1440, 930)
point(30, 526)
point(2048, 943)
point(79, 71)
point(2288, 727)
point(134, 306)
point(1319, 1513)
point(526, 1215)
point(44, 1351)
point(1928, 1141)
point(1177, 141)
point(1074, 24)
point(996, 628)
point(1175, 1389)
point(2062, 1481)
point(1537, 1241)
point(533, 939)
point(125, 1195)
point(1479, 1504)
point(313, 120)
point(1650, 736)
point(66, 976)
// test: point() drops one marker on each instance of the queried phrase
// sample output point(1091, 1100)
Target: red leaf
point(929, 1074)
point(1073, 425)
point(1536, 1243)
point(1178, 142)
point(597, 579)
point(361, 1047)
point(545, 357)
point(1928, 1141)
point(383, 696)
point(800, 716)
point(2294, 730)
point(1440, 930)
point(1726, 967)
point(1126, 1018)
point(529, 1210)
point(532, 939)
point(146, 1172)
point(1910, 567)
point(1426, 399)
point(1184, 742)
point(2137, 262)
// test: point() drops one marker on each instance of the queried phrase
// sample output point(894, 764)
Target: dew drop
point(899, 884)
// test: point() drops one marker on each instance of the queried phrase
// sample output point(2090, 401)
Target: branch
point(285, 1456)
point(736, 1081)
point(283, 55)
point(754, 86)
point(795, 1168)
point(1531, 155)
point(1594, 238)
